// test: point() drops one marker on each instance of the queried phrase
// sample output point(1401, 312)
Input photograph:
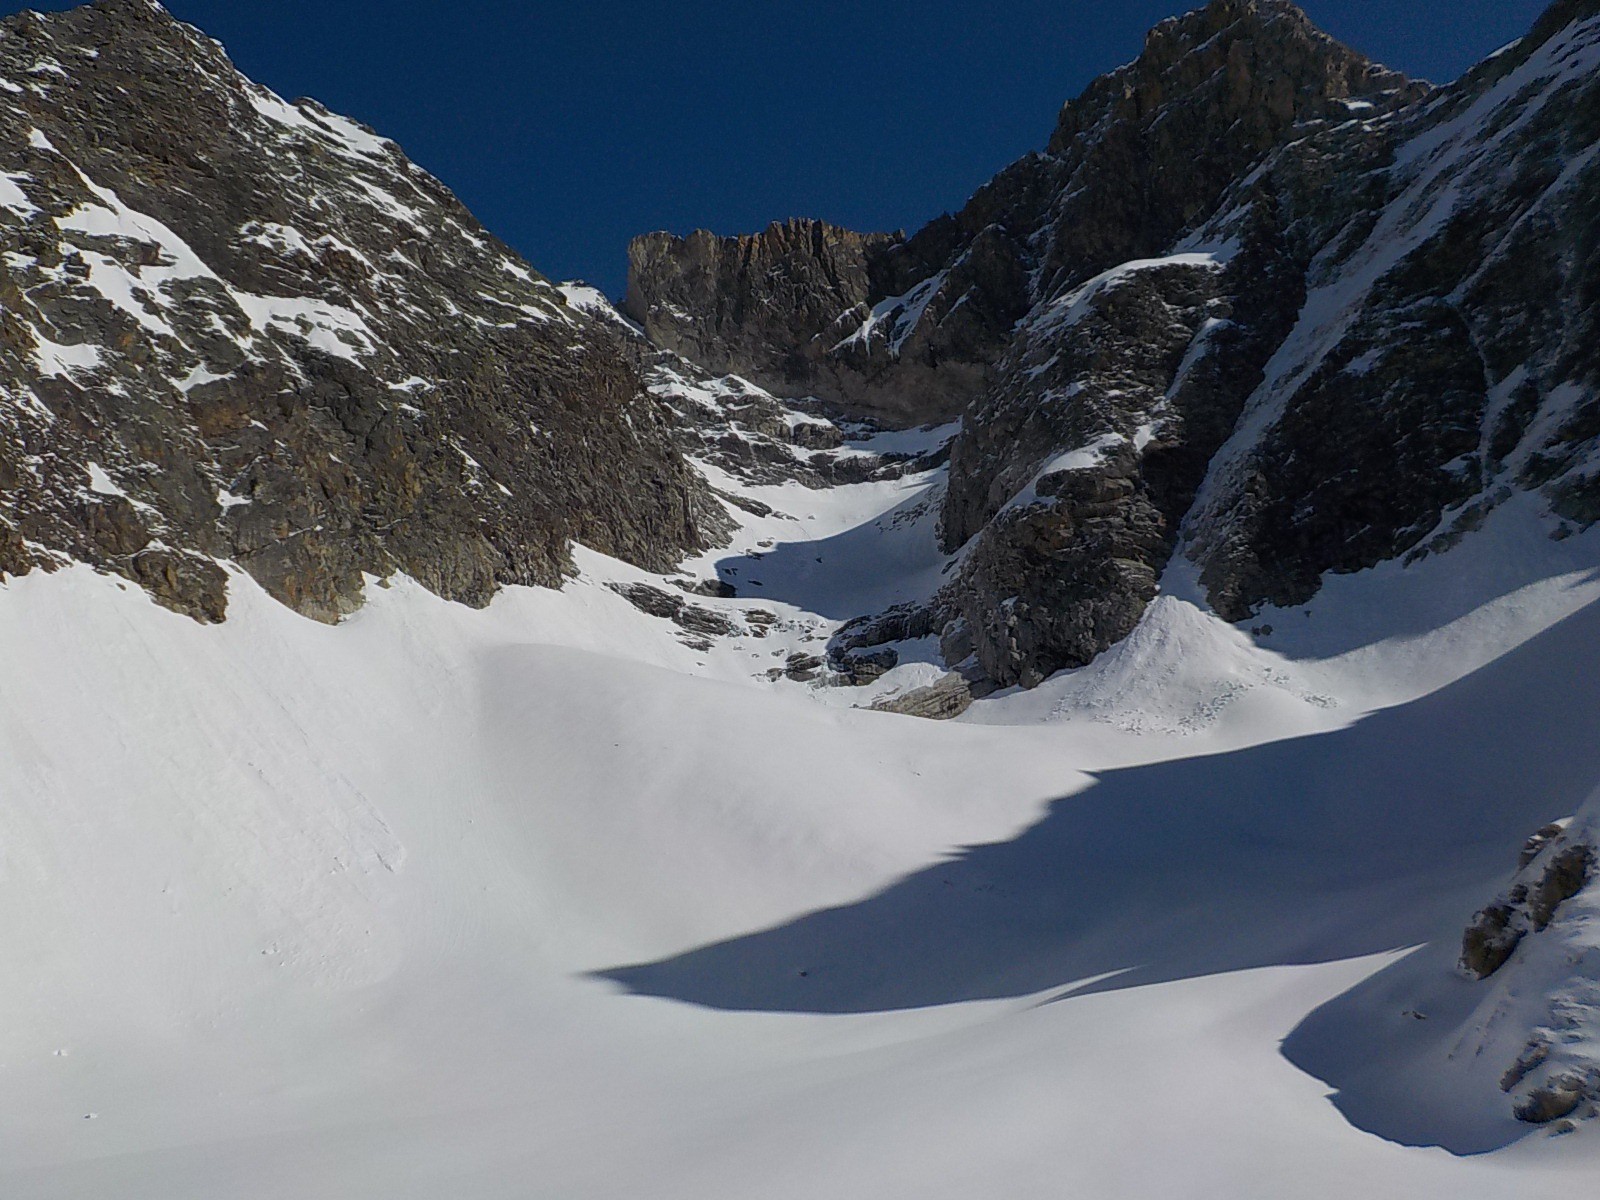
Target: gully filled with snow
point(540, 901)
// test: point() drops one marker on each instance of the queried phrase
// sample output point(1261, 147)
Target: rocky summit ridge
point(911, 328)
point(1260, 311)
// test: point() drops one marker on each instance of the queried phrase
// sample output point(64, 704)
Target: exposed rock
point(233, 328)
point(14, 556)
point(1259, 296)
point(751, 304)
point(1531, 1059)
point(1157, 143)
point(802, 667)
point(942, 700)
point(737, 427)
point(188, 583)
point(657, 602)
point(1131, 380)
point(861, 667)
point(909, 329)
point(1103, 370)
point(1556, 1099)
point(702, 620)
point(720, 589)
point(902, 623)
point(1555, 872)
point(1067, 546)
point(651, 601)
point(1535, 947)
point(1490, 940)
point(1566, 874)
point(1461, 366)
point(1534, 846)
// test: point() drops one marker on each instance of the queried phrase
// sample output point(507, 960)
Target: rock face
point(238, 330)
point(909, 329)
point(1530, 904)
point(731, 424)
point(1533, 952)
point(942, 700)
point(758, 305)
point(1353, 355)
point(1260, 303)
point(1445, 357)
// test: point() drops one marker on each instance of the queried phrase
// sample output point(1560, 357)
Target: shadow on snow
point(1386, 834)
point(889, 559)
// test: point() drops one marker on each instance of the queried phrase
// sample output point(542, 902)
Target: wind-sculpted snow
point(1334, 846)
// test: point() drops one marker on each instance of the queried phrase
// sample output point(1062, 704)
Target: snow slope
point(539, 901)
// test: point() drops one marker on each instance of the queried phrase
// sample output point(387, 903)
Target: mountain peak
point(145, 8)
point(138, 10)
point(1263, 59)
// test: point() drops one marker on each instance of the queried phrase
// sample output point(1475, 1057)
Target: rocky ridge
point(909, 328)
point(1271, 307)
point(235, 330)
point(1445, 357)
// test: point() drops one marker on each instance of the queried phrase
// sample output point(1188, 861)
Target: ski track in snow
point(294, 910)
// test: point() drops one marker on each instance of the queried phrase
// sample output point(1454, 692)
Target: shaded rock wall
point(1261, 300)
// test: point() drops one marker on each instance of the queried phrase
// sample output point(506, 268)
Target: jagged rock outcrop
point(1530, 904)
point(734, 426)
point(942, 700)
point(1534, 952)
point(238, 330)
point(807, 309)
point(730, 424)
point(1278, 307)
point(754, 304)
point(1445, 357)
point(910, 329)
point(1066, 552)
point(1075, 468)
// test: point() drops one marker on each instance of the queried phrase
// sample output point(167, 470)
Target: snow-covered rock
point(287, 347)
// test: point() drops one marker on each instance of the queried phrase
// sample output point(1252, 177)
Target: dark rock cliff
point(1445, 358)
point(1260, 302)
point(238, 330)
point(910, 329)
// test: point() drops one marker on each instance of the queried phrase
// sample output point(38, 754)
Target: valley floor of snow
point(540, 902)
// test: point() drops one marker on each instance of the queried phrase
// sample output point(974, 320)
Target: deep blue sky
point(568, 127)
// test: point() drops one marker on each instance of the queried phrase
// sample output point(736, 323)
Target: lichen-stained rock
point(233, 328)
